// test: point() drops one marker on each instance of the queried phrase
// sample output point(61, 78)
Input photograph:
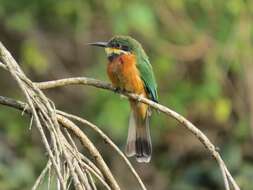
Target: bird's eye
point(125, 48)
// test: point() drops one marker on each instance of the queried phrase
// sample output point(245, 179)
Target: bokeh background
point(201, 52)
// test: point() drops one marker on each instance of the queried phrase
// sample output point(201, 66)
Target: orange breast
point(124, 74)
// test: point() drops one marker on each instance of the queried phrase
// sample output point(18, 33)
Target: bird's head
point(120, 45)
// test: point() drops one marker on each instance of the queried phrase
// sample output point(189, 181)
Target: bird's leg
point(119, 90)
point(123, 91)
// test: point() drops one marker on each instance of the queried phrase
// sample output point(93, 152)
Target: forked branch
point(185, 123)
point(228, 179)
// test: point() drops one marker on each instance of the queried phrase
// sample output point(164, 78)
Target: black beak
point(99, 44)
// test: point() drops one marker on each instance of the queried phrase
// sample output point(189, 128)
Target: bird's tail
point(138, 140)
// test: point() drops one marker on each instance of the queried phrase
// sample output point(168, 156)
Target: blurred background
point(201, 52)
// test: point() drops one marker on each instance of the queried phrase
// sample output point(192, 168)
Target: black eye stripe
point(125, 48)
point(115, 44)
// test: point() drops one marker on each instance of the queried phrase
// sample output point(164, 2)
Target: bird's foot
point(117, 90)
point(121, 90)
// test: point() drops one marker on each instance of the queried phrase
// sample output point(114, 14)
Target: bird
point(129, 70)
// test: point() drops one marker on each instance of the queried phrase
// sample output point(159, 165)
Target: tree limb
point(44, 113)
point(23, 107)
point(185, 123)
point(31, 89)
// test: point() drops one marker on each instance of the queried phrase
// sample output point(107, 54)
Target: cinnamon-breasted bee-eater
point(129, 69)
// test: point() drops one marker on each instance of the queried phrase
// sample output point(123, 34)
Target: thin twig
point(224, 175)
point(79, 156)
point(81, 174)
point(93, 185)
point(91, 148)
point(107, 140)
point(3, 66)
point(16, 72)
point(49, 178)
point(91, 169)
point(46, 113)
point(41, 176)
point(86, 166)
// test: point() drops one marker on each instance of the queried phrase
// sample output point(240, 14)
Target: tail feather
point(130, 145)
point(139, 141)
point(143, 144)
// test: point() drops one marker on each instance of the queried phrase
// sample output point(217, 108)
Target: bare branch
point(41, 176)
point(185, 123)
point(16, 72)
point(40, 107)
point(3, 65)
point(91, 148)
point(44, 114)
point(107, 140)
point(74, 81)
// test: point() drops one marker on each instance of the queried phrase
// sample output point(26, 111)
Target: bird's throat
point(112, 56)
point(113, 53)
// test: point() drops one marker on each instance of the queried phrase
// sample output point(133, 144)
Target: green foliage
point(33, 57)
point(20, 22)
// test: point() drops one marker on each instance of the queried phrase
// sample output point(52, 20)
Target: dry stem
point(40, 106)
point(185, 123)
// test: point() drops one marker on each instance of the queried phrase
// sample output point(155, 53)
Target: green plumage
point(148, 78)
point(146, 70)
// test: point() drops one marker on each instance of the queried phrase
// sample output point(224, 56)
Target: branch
point(41, 176)
point(69, 125)
point(107, 140)
point(46, 113)
point(74, 81)
point(185, 123)
point(23, 107)
point(29, 93)
point(90, 147)
point(3, 66)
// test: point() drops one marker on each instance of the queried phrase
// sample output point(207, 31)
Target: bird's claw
point(117, 90)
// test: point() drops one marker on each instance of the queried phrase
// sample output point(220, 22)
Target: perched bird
point(129, 69)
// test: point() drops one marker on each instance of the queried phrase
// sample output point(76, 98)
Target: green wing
point(147, 75)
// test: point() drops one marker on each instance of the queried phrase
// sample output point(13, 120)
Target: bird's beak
point(99, 44)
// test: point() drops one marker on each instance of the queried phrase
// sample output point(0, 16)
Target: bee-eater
point(129, 69)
